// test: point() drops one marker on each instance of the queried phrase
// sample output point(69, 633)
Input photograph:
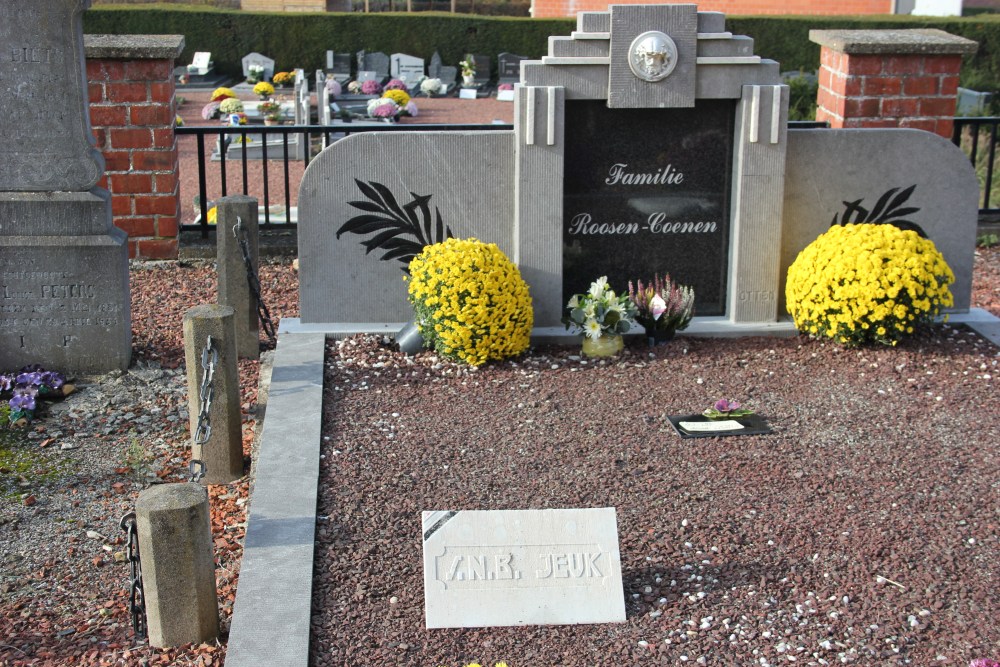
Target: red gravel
point(864, 530)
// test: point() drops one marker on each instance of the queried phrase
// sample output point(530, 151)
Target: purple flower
point(6, 382)
point(52, 379)
point(722, 405)
point(32, 378)
point(984, 662)
point(333, 87)
point(384, 111)
point(411, 109)
point(23, 399)
point(371, 87)
point(395, 84)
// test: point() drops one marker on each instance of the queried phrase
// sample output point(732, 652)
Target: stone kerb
point(889, 78)
point(132, 110)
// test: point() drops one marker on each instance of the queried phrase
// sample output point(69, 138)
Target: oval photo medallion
point(652, 56)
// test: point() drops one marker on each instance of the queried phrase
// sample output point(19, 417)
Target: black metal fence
point(278, 146)
point(978, 138)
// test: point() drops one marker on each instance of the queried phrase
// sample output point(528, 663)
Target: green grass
point(23, 466)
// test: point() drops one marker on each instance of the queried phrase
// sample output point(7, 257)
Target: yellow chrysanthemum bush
point(400, 97)
point(867, 283)
point(470, 301)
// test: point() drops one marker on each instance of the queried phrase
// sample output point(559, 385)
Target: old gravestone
point(509, 67)
point(408, 69)
point(64, 292)
point(522, 567)
point(377, 62)
point(650, 140)
point(258, 60)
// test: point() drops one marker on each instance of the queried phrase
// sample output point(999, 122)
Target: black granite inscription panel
point(647, 191)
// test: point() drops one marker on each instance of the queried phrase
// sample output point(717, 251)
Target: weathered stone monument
point(64, 292)
point(650, 140)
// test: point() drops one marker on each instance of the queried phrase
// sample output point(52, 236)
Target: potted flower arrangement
point(468, 67)
point(395, 84)
point(371, 87)
point(383, 108)
point(430, 87)
point(271, 111)
point(602, 316)
point(663, 307)
point(263, 90)
point(255, 73)
point(283, 79)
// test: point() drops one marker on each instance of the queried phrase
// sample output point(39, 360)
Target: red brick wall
point(888, 90)
point(564, 8)
point(132, 112)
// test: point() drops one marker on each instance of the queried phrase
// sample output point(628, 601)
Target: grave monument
point(650, 140)
point(64, 291)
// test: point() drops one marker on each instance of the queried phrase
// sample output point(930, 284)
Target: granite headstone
point(259, 60)
point(64, 294)
point(408, 69)
point(633, 209)
point(509, 67)
point(377, 62)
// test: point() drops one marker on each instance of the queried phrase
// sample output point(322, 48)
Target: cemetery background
point(63, 598)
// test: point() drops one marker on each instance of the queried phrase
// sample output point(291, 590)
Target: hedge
point(302, 39)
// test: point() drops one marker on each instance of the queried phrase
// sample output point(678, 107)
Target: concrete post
point(234, 291)
point(222, 452)
point(178, 566)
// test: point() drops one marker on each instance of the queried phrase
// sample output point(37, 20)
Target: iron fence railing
point(290, 142)
point(978, 138)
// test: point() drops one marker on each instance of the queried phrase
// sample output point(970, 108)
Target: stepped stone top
point(152, 47)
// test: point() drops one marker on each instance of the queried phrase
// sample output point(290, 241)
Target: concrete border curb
point(270, 624)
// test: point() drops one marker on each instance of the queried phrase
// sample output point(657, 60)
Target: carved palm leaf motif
point(401, 231)
point(888, 210)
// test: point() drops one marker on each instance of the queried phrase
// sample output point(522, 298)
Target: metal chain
point(203, 429)
point(137, 600)
point(253, 281)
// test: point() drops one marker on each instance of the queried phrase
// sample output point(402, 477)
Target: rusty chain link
point(253, 281)
point(203, 429)
point(137, 600)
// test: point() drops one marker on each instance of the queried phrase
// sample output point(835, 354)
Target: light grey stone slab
point(726, 81)
point(408, 69)
point(579, 48)
point(261, 60)
point(628, 91)
point(522, 567)
point(825, 168)
point(47, 146)
point(581, 82)
point(270, 624)
point(736, 46)
point(338, 280)
point(593, 21)
point(709, 22)
point(64, 301)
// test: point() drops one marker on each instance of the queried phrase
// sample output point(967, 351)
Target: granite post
point(234, 289)
point(64, 291)
point(222, 452)
point(178, 566)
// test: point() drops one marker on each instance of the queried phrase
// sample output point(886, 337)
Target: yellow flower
point(400, 97)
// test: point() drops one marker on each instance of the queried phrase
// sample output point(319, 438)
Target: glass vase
point(608, 345)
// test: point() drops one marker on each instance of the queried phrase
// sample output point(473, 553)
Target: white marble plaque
point(708, 427)
point(522, 567)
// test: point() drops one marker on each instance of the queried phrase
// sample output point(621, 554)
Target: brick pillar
point(132, 112)
point(889, 78)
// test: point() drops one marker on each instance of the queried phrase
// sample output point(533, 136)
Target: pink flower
point(411, 109)
point(984, 662)
point(395, 84)
point(371, 87)
point(722, 405)
point(333, 87)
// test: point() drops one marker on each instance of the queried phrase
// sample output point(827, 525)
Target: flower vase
point(468, 80)
point(659, 336)
point(608, 345)
point(270, 121)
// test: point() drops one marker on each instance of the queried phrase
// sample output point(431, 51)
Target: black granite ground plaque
point(647, 191)
point(700, 426)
